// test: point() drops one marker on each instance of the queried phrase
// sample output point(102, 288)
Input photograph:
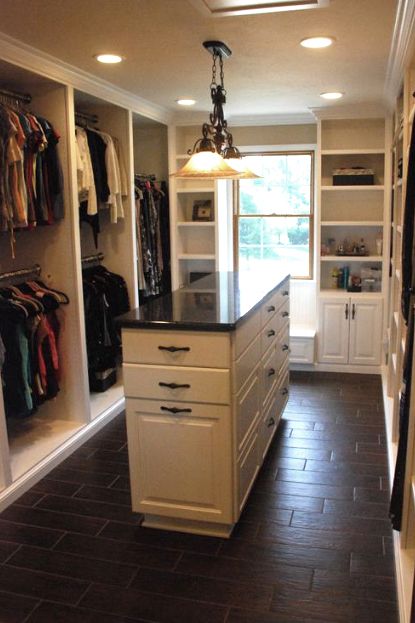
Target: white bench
point(302, 345)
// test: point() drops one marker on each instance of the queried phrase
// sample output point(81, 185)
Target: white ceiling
point(269, 73)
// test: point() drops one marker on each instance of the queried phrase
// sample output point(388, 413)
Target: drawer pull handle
point(271, 333)
point(175, 410)
point(285, 293)
point(175, 349)
point(271, 372)
point(271, 308)
point(285, 314)
point(271, 422)
point(285, 347)
point(174, 385)
point(284, 391)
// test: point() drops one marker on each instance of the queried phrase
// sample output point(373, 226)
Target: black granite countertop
point(217, 302)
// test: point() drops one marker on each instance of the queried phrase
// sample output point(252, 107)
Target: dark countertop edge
point(212, 327)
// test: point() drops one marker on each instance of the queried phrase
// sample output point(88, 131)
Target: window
point(275, 213)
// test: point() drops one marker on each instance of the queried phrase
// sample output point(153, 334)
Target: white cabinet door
point(365, 332)
point(333, 338)
point(180, 459)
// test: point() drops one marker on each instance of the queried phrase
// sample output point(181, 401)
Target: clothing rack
point(22, 272)
point(84, 117)
point(144, 178)
point(13, 96)
point(90, 259)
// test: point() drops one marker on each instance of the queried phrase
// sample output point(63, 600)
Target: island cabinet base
point(202, 409)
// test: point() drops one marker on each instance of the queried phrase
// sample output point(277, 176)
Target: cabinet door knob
point(346, 311)
point(174, 385)
point(285, 293)
point(271, 372)
point(353, 311)
point(285, 347)
point(175, 410)
point(175, 349)
point(285, 314)
point(271, 333)
point(270, 422)
point(284, 391)
point(271, 308)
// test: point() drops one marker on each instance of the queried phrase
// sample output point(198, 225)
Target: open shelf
point(371, 187)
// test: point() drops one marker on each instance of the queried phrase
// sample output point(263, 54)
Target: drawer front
point(247, 468)
point(246, 332)
point(274, 302)
point(269, 333)
point(177, 383)
point(176, 348)
point(283, 293)
point(268, 426)
point(247, 409)
point(246, 363)
point(269, 372)
point(282, 348)
point(283, 391)
point(283, 315)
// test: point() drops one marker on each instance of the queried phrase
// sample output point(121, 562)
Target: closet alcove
point(25, 443)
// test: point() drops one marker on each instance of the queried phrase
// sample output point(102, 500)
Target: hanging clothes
point(31, 179)
point(408, 234)
point(105, 298)
point(29, 333)
point(102, 178)
point(153, 237)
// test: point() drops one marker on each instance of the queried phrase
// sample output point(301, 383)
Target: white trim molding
point(401, 48)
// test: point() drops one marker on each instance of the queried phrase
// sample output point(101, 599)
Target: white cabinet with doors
point(349, 330)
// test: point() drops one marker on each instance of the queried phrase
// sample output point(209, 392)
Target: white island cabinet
point(206, 381)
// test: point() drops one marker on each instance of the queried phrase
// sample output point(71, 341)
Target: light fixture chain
point(213, 83)
point(221, 71)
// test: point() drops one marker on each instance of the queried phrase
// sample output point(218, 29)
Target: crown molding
point(256, 7)
point(400, 50)
point(32, 59)
point(369, 110)
point(196, 118)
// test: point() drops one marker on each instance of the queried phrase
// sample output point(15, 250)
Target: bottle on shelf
point(335, 277)
point(379, 243)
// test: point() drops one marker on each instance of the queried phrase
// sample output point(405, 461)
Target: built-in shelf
point(352, 152)
point(372, 187)
point(351, 258)
point(195, 189)
point(196, 256)
point(196, 224)
point(341, 293)
point(352, 223)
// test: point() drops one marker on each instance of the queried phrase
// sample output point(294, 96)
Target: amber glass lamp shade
point(206, 165)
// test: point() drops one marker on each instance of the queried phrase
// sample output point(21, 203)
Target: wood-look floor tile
point(48, 612)
point(120, 456)
point(6, 549)
point(88, 508)
point(81, 477)
point(97, 465)
point(316, 444)
point(72, 566)
point(306, 489)
point(260, 512)
point(281, 553)
point(161, 538)
point(349, 434)
point(102, 494)
point(380, 588)
point(289, 502)
point(297, 424)
point(304, 453)
point(217, 591)
point(56, 487)
point(121, 482)
point(256, 572)
point(357, 509)
point(363, 458)
point(126, 552)
point(344, 467)
point(163, 609)
point(324, 539)
point(105, 444)
point(365, 563)
point(15, 609)
point(49, 519)
point(336, 478)
point(237, 615)
point(41, 585)
point(30, 498)
point(344, 523)
point(27, 534)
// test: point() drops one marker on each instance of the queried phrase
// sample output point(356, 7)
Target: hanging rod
point(98, 257)
point(14, 95)
point(90, 118)
point(22, 272)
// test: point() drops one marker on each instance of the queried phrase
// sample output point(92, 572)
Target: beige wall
point(275, 135)
point(150, 151)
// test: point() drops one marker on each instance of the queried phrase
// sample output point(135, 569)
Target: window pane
point(284, 186)
point(270, 243)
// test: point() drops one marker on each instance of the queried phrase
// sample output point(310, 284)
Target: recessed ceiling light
point(186, 102)
point(109, 59)
point(317, 42)
point(334, 95)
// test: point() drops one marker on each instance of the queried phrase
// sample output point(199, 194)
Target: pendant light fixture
point(213, 155)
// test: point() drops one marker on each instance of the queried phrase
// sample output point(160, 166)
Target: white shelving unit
point(30, 448)
point(352, 215)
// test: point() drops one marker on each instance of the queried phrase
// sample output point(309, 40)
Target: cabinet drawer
point(283, 315)
point(247, 469)
point(246, 332)
point(247, 409)
point(282, 348)
point(282, 391)
point(246, 363)
point(176, 383)
point(269, 333)
point(269, 372)
point(268, 426)
point(274, 302)
point(185, 348)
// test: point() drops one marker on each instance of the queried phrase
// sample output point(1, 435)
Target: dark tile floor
point(313, 545)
